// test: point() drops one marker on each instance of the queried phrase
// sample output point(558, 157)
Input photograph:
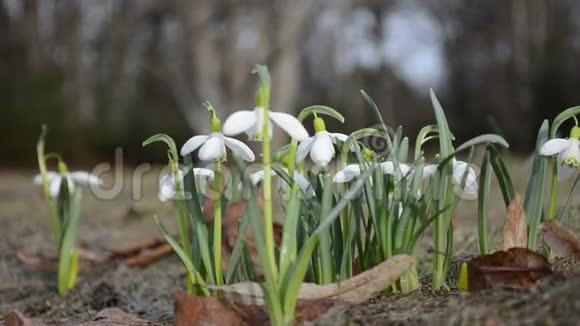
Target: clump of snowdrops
point(63, 193)
point(376, 206)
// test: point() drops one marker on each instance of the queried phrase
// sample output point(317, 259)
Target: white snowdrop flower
point(304, 184)
point(213, 147)
point(167, 184)
point(320, 146)
point(568, 150)
point(252, 123)
point(351, 171)
point(470, 191)
point(80, 178)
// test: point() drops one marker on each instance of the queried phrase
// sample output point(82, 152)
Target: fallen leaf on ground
point(16, 318)
point(190, 310)
point(515, 228)
point(49, 262)
point(148, 256)
point(513, 268)
point(355, 290)
point(563, 242)
point(135, 247)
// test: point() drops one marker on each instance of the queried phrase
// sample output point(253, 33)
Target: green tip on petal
point(319, 125)
point(463, 279)
point(572, 161)
point(575, 132)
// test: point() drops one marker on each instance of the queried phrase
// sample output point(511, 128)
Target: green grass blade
point(325, 245)
point(270, 286)
point(483, 203)
point(197, 222)
point(67, 248)
point(183, 256)
point(297, 276)
point(289, 247)
point(501, 173)
point(534, 201)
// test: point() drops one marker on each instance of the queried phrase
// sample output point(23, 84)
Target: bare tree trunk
point(31, 30)
point(287, 71)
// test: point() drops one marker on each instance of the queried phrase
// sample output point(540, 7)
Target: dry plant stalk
point(515, 228)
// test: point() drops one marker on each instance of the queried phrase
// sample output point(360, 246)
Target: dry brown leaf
point(513, 268)
point(515, 228)
point(355, 290)
point(16, 318)
point(190, 310)
point(562, 241)
point(48, 261)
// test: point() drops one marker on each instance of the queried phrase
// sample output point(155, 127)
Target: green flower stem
point(554, 194)
point(182, 220)
point(43, 172)
point(217, 225)
point(263, 101)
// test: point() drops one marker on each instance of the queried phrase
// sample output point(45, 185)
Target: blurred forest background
point(109, 73)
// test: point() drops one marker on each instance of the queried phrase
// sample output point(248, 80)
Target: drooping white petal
point(565, 171)
point(470, 190)
point(213, 149)
point(84, 178)
point(322, 149)
point(49, 177)
point(240, 121)
point(429, 170)
point(347, 174)
point(202, 172)
point(571, 155)
point(303, 149)
point(342, 137)
point(554, 146)
point(193, 143)
point(256, 177)
point(304, 184)
point(167, 187)
point(54, 186)
point(240, 149)
point(338, 136)
point(389, 168)
point(290, 125)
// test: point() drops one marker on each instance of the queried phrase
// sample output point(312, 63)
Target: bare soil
point(149, 293)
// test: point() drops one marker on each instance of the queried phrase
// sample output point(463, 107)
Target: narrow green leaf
point(534, 200)
point(167, 140)
point(325, 245)
point(183, 256)
point(483, 202)
point(501, 172)
point(300, 267)
point(563, 116)
point(320, 109)
point(289, 247)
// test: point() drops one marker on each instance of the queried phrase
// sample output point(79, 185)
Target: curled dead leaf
point(513, 268)
point(357, 289)
point(563, 242)
point(190, 310)
point(515, 228)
